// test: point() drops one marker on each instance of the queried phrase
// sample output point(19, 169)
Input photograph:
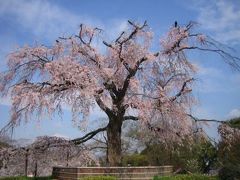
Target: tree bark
point(35, 169)
point(114, 150)
point(67, 157)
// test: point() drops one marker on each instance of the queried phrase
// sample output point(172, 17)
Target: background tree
point(39, 157)
point(5, 141)
point(229, 149)
point(126, 80)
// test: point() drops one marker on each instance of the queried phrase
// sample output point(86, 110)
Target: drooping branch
point(206, 120)
point(178, 41)
point(88, 136)
point(233, 61)
point(8, 127)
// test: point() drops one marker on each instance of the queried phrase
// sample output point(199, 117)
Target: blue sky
point(217, 86)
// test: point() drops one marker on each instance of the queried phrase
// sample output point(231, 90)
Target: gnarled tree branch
point(88, 136)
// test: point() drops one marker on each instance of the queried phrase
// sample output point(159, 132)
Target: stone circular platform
point(122, 173)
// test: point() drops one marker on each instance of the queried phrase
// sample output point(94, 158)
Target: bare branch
point(206, 120)
point(233, 61)
point(117, 40)
point(130, 118)
point(182, 91)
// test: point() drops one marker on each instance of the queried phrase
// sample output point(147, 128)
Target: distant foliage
point(229, 150)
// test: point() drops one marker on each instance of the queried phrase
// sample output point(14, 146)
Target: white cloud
point(234, 113)
point(209, 71)
point(45, 19)
point(220, 17)
point(39, 17)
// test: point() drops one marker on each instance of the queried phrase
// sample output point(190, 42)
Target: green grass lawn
point(177, 177)
point(48, 178)
point(186, 177)
point(26, 178)
point(99, 178)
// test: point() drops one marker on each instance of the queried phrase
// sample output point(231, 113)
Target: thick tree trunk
point(114, 150)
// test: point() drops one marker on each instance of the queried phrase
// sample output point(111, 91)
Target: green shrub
point(230, 172)
point(197, 157)
point(99, 178)
point(186, 177)
point(192, 165)
point(135, 160)
point(14, 178)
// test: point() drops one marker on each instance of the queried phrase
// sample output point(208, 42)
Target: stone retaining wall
point(122, 173)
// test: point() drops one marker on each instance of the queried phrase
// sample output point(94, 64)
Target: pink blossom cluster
point(176, 39)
